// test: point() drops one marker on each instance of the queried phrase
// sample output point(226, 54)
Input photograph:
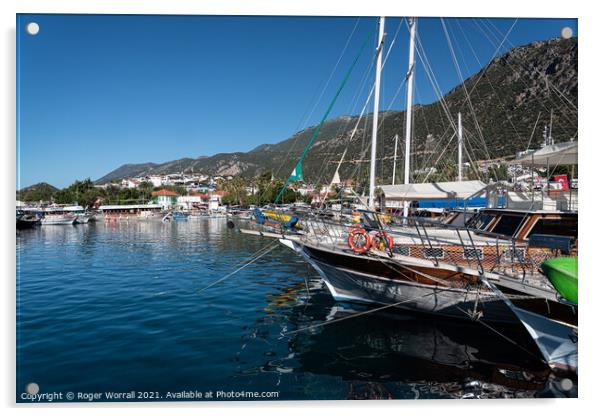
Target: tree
point(129, 195)
point(228, 199)
point(90, 197)
point(236, 189)
point(38, 192)
point(146, 189)
point(112, 194)
point(498, 172)
point(80, 187)
point(64, 196)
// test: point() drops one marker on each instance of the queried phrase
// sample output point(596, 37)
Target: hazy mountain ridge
point(508, 96)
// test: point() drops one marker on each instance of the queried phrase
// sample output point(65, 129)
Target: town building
point(190, 201)
point(156, 180)
point(129, 183)
point(167, 199)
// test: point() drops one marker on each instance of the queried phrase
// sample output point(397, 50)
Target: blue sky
point(97, 91)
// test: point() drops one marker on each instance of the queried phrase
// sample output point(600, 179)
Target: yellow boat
point(280, 217)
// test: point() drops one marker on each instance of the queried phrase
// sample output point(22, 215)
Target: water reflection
point(395, 355)
point(120, 302)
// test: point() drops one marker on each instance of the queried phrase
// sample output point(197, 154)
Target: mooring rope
point(256, 257)
point(503, 336)
point(355, 315)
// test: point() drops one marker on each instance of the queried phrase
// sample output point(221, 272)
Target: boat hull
point(82, 218)
point(556, 340)
point(23, 223)
point(347, 284)
point(58, 220)
point(181, 217)
point(551, 324)
point(562, 273)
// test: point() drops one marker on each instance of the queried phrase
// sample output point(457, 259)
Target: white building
point(129, 183)
point(188, 201)
point(165, 198)
point(156, 180)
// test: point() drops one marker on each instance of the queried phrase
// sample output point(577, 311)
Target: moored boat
point(83, 216)
point(26, 220)
point(181, 215)
point(483, 266)
point(562, 273)
point(60, 214)
point(58, 219)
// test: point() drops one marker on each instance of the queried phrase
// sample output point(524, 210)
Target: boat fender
point(359, 240)
point(382, 241)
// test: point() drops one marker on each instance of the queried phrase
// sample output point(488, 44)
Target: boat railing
point(422, 238)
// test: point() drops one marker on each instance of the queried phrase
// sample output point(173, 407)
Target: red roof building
point(164, 192)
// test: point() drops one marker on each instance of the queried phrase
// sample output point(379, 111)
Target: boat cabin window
point(507, 225)
point(461, 218)
point(480, 221)
point(555, 226)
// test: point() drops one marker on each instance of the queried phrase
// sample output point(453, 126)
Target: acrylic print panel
point(165, 252)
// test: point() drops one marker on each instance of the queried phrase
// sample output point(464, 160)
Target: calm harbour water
point(119, 308)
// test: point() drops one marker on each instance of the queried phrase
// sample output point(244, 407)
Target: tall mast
point(460, 143)
point(551, 119)
point(395, 159)
point(410, 91)
point(381, 34)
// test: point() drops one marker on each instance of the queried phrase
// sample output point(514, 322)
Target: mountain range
point(511, 99)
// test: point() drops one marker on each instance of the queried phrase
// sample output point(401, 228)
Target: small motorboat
point(181, 215)
point(26, 220)
point(562, 273)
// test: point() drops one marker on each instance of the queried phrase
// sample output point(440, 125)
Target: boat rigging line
point(558, 92)
point(493, 89)
point(306, 116)
point(328, 110)
point(552, 103)
point(472, 110)
point(363, 111)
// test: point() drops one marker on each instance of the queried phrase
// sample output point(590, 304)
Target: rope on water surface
point(355, 315)
point(263, 251)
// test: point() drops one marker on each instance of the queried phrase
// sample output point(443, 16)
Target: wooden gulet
point(446, 271)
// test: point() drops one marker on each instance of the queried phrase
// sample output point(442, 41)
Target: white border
point(589, 81)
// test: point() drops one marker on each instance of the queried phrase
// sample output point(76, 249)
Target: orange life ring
point(378, 241)
point(355, 242)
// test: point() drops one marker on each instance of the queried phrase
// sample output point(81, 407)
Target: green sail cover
point(562, 273)
point(296, 174)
